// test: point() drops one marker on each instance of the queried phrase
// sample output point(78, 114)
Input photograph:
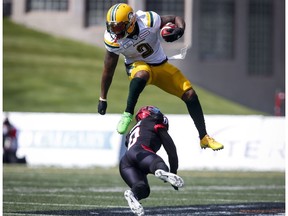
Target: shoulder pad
point(149, 18)
point(110, 44)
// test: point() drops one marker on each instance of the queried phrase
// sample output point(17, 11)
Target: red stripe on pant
point(147, 148)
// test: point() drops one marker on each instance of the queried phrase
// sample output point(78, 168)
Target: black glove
point(175, 34)
point(102, 106)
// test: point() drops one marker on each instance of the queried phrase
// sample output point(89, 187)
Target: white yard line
point(153, 188)
point(59, 204)
point(229, 188)
point(23, 214)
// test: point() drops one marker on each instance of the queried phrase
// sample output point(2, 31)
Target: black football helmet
point(152, 111)
point(146, 111)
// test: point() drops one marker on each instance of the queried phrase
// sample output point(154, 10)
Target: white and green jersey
point(144, 47)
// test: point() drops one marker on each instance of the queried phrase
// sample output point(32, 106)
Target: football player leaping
point(140, 159)
point(136, 36)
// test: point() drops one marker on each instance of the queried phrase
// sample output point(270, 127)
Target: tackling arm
point(170, 148)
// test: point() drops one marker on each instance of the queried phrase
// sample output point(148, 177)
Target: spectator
point(10, 143)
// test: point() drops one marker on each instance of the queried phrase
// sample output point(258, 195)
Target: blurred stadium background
point(52, 65)
point(236, 43)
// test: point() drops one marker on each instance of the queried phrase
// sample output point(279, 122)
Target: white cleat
point(133, 203)
point(173, 179)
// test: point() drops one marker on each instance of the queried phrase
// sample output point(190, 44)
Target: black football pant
point(134, 167)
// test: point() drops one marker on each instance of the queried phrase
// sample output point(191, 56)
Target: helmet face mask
point(118, 29)
point(120, 21)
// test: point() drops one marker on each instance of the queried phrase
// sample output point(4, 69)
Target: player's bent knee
point(143, 75)
point(141, 190)
point(188, 95)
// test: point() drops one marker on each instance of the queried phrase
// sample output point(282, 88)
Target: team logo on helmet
point(130, 16)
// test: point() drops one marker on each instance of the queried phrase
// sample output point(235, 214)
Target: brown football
point(164, 29)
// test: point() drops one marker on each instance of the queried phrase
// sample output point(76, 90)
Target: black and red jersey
point(145, 132)
point(151, 133)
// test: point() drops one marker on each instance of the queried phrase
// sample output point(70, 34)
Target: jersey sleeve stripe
point(150, 20)
point(111, 44)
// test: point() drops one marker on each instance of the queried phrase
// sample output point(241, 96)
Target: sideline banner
point(67, 139)
point(250, 142)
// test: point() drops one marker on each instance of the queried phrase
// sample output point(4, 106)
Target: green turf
point(44, 73)
point(39, 189)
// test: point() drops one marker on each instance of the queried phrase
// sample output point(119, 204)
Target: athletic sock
point(136, 87)
point(196, 113)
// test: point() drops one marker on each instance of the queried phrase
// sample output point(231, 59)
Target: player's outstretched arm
point(170, 148)
point(110, 63)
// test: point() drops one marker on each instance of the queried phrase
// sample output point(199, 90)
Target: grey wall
point(229, 78)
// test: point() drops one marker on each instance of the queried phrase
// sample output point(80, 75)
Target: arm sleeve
point(156, 19)
point(150, 19)
point(170, 148)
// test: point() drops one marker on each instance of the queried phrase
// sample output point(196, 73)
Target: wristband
point(101, 99)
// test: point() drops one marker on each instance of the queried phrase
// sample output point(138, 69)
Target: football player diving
point(136, 36)
point(140, 159)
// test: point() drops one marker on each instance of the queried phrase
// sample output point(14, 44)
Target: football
point(164, 32)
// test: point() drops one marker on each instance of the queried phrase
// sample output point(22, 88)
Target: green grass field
point(44, 73)
point(28, 189)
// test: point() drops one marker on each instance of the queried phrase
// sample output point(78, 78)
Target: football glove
point(102, 106)
point(175, 34)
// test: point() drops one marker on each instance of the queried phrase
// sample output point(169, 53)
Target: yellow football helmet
point(120, 20)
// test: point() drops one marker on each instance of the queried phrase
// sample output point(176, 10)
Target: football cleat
point(209, 142)
point(133, 203)
point(124, 122)
point(173, 179)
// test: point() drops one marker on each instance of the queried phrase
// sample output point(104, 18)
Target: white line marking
point(59, 204)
